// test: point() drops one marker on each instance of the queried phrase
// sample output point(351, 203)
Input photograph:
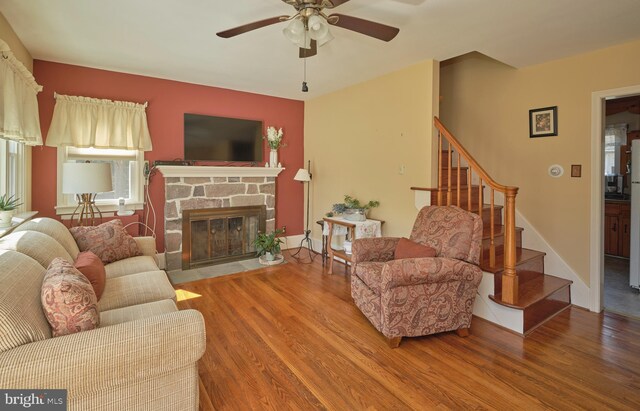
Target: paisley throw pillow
point(68, 299)
point(109, 241)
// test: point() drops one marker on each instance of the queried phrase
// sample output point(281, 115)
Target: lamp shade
point(82, 178)
point(302, 175)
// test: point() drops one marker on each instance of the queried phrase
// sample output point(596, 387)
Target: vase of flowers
point(274, 139)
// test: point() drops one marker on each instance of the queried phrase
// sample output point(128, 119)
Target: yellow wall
point(358, 138)
point(9, 36)
point(486, 105)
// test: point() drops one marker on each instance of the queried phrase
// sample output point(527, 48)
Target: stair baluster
point(445, 170)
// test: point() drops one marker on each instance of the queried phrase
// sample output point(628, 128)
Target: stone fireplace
point(206, 187)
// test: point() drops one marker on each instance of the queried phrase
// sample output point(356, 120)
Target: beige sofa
point(145, 353)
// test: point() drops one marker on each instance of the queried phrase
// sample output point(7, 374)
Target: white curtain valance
point(19, 117)
point(91, 122)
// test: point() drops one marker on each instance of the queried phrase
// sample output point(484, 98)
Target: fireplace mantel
point(213, 171)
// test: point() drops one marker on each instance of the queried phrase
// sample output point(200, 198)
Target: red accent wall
point(168, 101)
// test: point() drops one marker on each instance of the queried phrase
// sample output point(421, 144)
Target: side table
point(351, 234)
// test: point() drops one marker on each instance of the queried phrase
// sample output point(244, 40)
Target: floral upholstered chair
point(411, 297)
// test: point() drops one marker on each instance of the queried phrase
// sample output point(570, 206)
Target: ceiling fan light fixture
point(296, 33)
point(319, 29)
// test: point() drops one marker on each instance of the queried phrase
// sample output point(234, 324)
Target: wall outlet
point(284, 229)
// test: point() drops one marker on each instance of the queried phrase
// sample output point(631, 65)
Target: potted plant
point(353, 209)
point(8, 205)
point(268, 245)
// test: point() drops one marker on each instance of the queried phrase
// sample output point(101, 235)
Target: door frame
point(596, 259)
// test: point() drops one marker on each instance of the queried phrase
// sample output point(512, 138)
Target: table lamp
point(85, 180)
point(304, 176)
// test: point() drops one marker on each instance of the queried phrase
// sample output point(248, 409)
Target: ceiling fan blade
point(251, 26)
point(310, 52)
point(367, 27)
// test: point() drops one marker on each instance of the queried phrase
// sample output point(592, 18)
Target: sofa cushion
point(38, 246)
point(55, 229)
point(371, 274)
point(91, 267)
point(136, 312)
point(410, 249)
point(135, 289)
point(109, 241)
point(131, 265)
point(68, 300)
point(21, 318)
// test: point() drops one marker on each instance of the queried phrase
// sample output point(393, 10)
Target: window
point(12, 170)
point(126, 174)
point(614, 137)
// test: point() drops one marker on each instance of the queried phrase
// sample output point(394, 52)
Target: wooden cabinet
point(625, 235)
point(611, 235)
point(617, 228)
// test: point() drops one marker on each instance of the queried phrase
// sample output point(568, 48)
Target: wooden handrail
point(473, 164)
point(509, 274)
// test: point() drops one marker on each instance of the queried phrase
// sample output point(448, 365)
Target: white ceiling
point(176, 40)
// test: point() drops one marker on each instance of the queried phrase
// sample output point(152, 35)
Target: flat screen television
point(209, 138)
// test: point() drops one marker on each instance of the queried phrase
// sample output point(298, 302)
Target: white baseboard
point(483, 307)
point(292, 241)
point(553, 263)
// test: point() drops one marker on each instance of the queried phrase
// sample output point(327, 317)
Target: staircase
point(520, 282)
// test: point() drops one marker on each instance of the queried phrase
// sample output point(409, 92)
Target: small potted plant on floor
point(8, 205)
point(352, 209)
point(268, 245)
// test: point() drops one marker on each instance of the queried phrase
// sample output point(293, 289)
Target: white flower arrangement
point(274, 137)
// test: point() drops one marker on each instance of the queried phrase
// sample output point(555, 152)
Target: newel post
point(509, 276)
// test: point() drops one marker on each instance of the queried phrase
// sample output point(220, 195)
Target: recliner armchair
point(420, 296)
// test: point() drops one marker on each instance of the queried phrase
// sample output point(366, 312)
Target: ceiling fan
point(309, 26)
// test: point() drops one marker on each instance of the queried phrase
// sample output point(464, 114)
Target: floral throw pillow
point(109, 241)
point(68, 299)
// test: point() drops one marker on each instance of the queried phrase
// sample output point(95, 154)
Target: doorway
point(615, 124)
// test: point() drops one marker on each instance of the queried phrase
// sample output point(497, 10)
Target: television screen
point(209, 138)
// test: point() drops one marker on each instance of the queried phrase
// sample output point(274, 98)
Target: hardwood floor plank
point(290, 337)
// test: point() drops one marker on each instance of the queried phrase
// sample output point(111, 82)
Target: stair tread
point(522, 255)
point(534, 290)
point(498, 231)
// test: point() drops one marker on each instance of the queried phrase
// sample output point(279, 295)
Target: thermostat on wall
point(556, 171)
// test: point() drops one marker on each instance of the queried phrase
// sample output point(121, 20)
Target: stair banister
point(509, 277)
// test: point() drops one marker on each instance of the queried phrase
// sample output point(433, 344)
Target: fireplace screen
point(217, 235)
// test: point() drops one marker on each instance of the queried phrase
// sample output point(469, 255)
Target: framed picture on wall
point(543, 122)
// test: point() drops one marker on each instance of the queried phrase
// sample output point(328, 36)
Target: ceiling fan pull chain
point(305, 88)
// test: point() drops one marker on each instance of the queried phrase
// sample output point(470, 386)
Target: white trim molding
point(213, 171)
point(596, 243)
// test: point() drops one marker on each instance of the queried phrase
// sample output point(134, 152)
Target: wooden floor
point(290, 337)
